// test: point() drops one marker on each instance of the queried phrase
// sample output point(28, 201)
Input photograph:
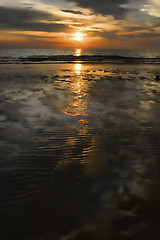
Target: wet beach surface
point(79, 151)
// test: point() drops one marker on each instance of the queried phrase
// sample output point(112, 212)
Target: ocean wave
point(82, 58)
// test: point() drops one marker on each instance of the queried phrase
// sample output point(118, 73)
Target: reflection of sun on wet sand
point(77, 106)
point(78, 67)
point(79, 101)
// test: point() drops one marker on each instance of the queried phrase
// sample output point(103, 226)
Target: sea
point(23, 55)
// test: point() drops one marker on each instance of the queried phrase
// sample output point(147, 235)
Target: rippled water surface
point(79, 152)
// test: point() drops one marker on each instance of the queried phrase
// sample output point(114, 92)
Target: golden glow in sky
point(80, 24)
point(78, 36)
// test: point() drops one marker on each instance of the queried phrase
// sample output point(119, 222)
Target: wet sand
point(79, 150)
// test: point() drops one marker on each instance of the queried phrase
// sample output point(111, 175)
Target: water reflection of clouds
point(61, 122)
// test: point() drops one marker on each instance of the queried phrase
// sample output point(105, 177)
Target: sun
point(78, 36)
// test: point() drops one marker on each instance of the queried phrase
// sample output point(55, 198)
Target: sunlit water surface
point(79, 147)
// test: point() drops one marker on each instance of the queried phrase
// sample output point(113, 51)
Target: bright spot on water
point(78, 52)
point(78, 67)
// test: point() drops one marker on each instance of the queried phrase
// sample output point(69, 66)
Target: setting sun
point(78, 36)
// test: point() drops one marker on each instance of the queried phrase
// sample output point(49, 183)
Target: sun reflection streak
point(78, 52)
point(78, 104)
point(81, 143)
point(78, 67)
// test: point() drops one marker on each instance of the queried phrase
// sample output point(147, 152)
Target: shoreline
point(82, 59)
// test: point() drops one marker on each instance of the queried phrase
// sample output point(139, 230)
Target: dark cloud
point(136, 28)
point(28, 4)
point(143, 35)
point(109, 35)
point(156, 24)
point(72, 11)
point(104, 7)
point(130, 32)
point(31, 36)
point(29, 20)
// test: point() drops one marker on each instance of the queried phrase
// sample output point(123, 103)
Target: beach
point(79, 146)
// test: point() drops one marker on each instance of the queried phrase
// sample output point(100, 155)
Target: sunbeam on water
point(78, 67)
point(78, 52)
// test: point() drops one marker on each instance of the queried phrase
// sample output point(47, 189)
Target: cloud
point(104, 7)
point(131, 31)
point(153, 8)
point(136, 28)
point(143, 35)
point(72, 11)
point(29, 20)
point(109, 35)
point(156, 24)
point(28, 4)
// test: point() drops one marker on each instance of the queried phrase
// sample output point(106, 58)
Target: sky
point(109, 24)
